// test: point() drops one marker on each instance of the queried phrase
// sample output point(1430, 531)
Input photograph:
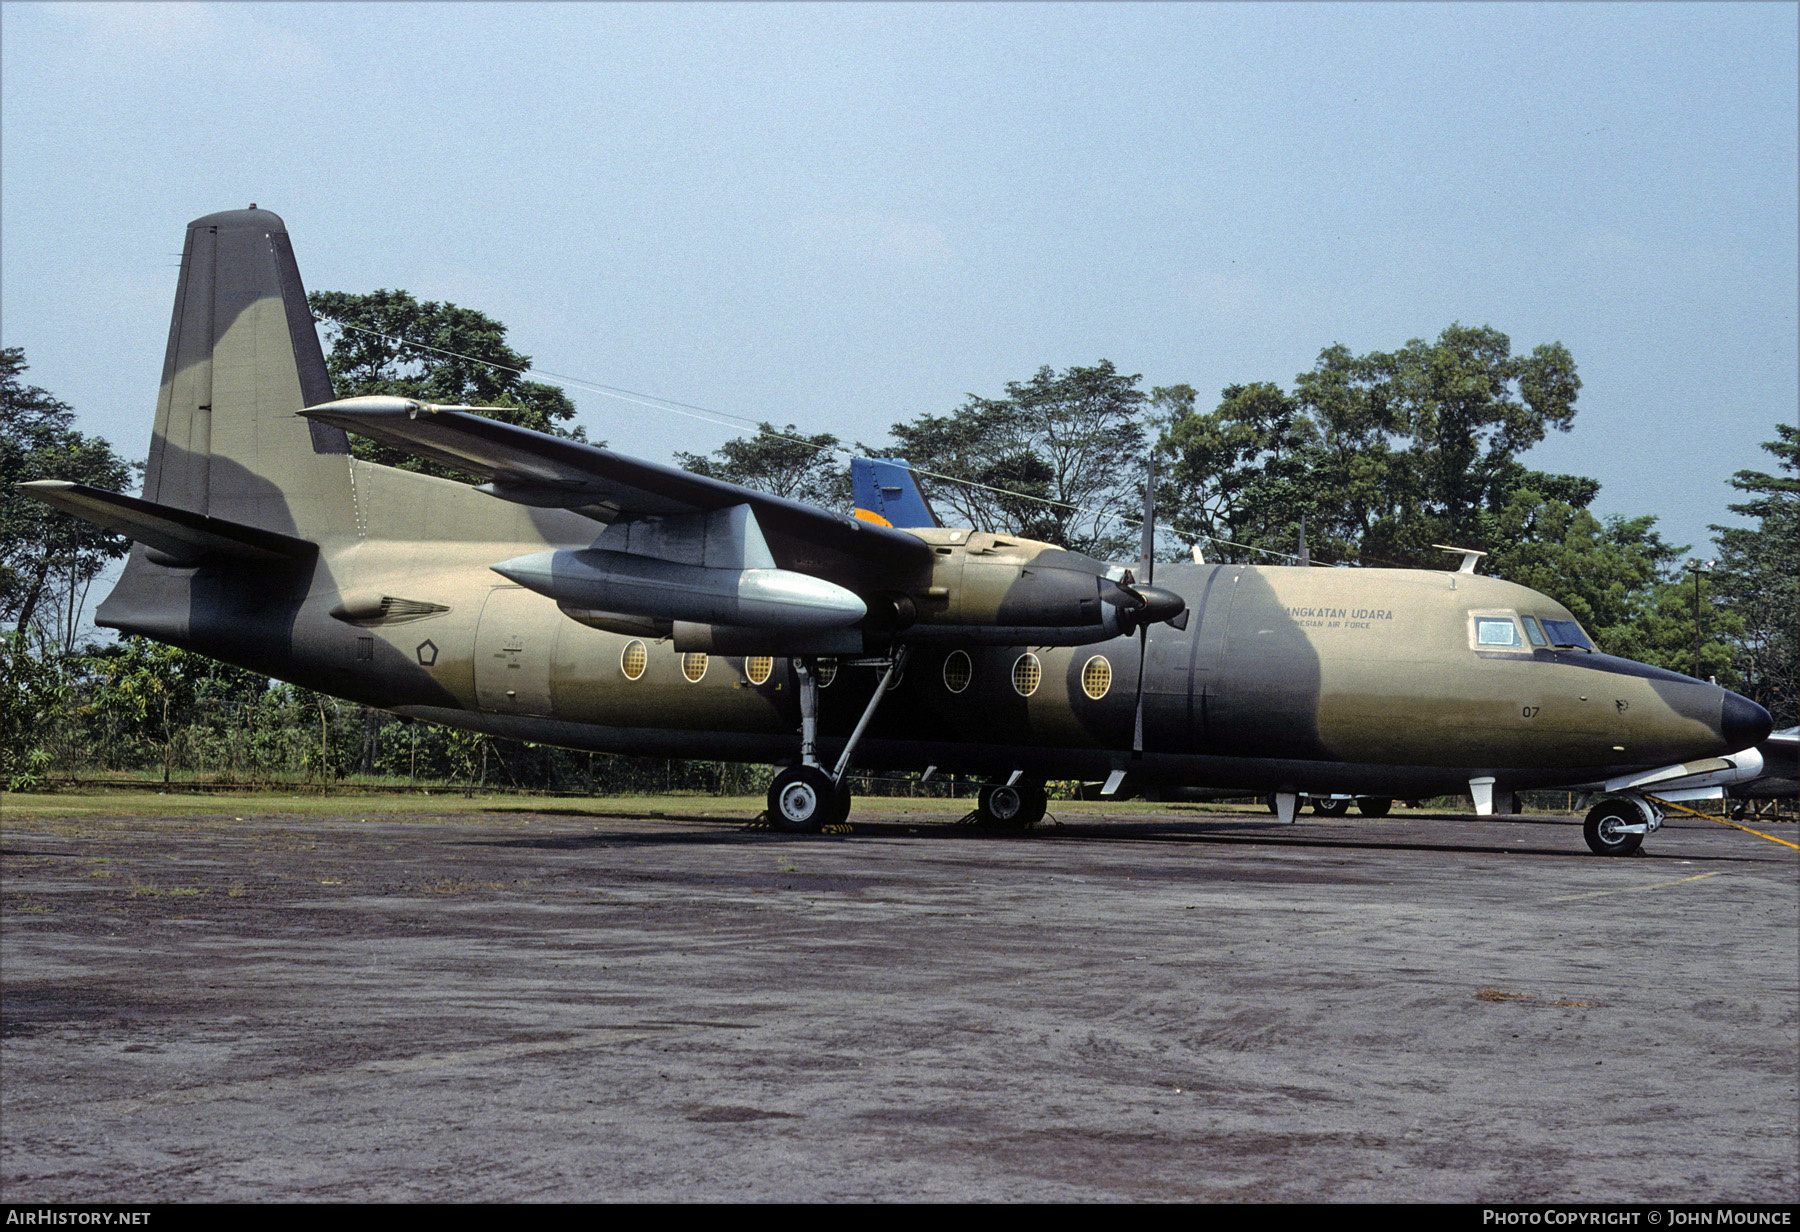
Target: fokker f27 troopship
point(595, 601)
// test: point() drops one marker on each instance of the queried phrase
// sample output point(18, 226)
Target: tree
point(1663, 631)
point(1385, 453)
point(1422, 443)
point(1058, 459)
point(47, 558)
point(783, 462)
point(150, 688)
point(1239, 479)
point(387, 342)
point(47, 562)
point(1616, 577)
point(1758, 578)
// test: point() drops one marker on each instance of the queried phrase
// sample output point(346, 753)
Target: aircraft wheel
point(1373, 806)
point(1011, 808)
point(1602, 828)
point(1738, 810)
point(1331, 808)
point(803, 800)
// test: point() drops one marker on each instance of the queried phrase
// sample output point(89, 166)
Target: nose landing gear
point(1616, 826)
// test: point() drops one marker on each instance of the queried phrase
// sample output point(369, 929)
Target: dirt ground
point(253, 998)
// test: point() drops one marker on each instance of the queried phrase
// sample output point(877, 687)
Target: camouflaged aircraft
point(582, 598)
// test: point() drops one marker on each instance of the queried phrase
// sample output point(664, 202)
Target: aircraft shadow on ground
point(1197, 832)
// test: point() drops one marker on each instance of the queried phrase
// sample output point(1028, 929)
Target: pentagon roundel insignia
point(427, 652)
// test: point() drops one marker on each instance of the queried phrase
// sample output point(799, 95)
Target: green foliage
point(1240, 476)
point(1759, 577)
point(33, 693)
point(148, 691)
point(1662, 632)
point(1420, 442)
point(783, 462)
point(1058, 459)
point(47, 558)
point(1386, 453)
point(1604, 573)
point(387, 342)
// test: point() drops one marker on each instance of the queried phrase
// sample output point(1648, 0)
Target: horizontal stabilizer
point(180, 536)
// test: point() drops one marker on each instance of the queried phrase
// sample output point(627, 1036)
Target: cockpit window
point(1533, 632)
point(1566, 633)
point(1493, 631)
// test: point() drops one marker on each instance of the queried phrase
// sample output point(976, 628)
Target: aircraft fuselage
point(1397, 682)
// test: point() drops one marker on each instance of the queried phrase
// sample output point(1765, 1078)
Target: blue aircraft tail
point(886, 493)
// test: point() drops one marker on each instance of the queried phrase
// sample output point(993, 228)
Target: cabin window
point(958, 671)
point(1533, 632)
point(1494, 631)
point(1566, 633)
point(758, 668)
point(1027, 673)
point(633, 659)
point(693, 666)
point(826, 673)
point(1096, 677)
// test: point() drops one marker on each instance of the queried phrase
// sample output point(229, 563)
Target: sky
point(844, 216)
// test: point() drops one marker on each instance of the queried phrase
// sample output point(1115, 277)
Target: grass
point(112, 802)
point(104, 802)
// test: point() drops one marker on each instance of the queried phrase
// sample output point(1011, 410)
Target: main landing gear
point(1011, 806)
point(806, 798)
point(803, 799)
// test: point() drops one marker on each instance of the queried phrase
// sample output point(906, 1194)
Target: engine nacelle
point(595, 579)
point(999, 590)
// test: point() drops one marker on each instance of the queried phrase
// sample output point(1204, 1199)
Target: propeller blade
point(1151, 598)
point(1148, 526)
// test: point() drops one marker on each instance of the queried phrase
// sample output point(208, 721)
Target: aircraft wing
point(534, 468)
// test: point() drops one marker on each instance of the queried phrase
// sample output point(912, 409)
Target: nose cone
point(1742, 722)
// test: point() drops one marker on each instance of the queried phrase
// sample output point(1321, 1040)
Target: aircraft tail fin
point(243, 357)
point(886, 493)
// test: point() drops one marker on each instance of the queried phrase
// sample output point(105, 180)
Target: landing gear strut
point(805, 798)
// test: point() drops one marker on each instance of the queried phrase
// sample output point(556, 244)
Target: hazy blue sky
point(842, 216)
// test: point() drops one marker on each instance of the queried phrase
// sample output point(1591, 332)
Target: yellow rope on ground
point(1734, 825)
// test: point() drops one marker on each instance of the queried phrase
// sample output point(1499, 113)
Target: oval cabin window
point(1027, 674)
point(958, 671)
point(1096, 677)
point(633, 659)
